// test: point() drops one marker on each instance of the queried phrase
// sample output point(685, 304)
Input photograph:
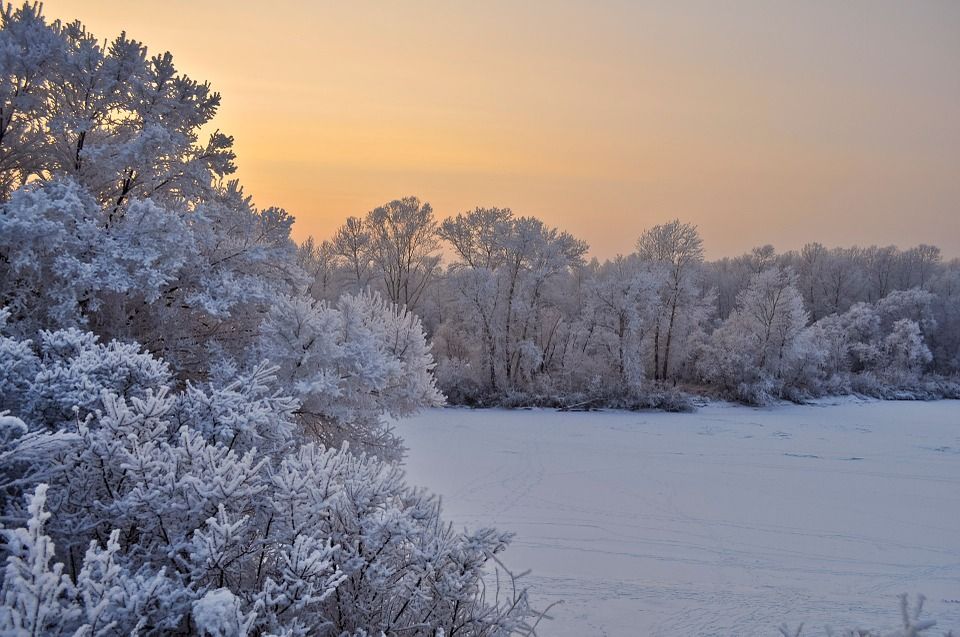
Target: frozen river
point(727, 521)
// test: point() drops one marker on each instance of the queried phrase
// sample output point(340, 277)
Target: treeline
point(518, 315)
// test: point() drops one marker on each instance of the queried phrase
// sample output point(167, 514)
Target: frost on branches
point(350, 362)
point(520, 319)
point(115, 215)
point(147, 510)
point(191, 443)
point(911, 624)
point(117, 219)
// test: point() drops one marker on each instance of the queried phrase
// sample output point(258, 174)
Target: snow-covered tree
point(114, 215)
point(945, 307)
point(403, 246)
point(755, 348)
point(506, 283)
point(123, 124)
point(772, 312)
point(905, 352)
point(621, 317)
point(353, 244)
point(678, 249)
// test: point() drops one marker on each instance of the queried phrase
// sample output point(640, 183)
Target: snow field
point(727, 521)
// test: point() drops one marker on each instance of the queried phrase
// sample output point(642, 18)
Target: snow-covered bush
point(245, 412)
point(350, 363)
point(879, 349)
point(105, 597)
point(181, 500)
point(911, 624)
point(75, 369)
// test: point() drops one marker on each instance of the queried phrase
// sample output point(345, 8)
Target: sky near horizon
point(760, 121)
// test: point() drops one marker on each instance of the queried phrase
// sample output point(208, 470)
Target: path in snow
point(727, 521)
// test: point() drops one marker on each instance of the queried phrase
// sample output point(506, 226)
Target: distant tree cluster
point(518, 316)
point(190, 442)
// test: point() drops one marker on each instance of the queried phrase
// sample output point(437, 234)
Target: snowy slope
point(727, 521)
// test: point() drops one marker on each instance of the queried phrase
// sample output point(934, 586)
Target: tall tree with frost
point(504, 279)
point(772, 310)
point(121, 123)
point(353, 244)
point(404, 248)
point(945, 307)
point(621, 311)
point(114, 215)
point(906, 353)
point(678, 248)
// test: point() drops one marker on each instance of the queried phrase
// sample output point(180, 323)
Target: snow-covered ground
point(725, 522)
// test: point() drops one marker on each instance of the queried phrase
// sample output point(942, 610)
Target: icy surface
point(726, 522)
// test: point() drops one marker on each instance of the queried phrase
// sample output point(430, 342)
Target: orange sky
point(762, 122)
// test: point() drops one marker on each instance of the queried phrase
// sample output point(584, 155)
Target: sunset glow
point(491, 319)
point(758, 121)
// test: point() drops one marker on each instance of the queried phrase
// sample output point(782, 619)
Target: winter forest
point(196, 412)
point(520, 317)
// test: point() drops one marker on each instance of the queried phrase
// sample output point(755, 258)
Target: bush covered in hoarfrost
point(147, 510)
point(911, 625)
